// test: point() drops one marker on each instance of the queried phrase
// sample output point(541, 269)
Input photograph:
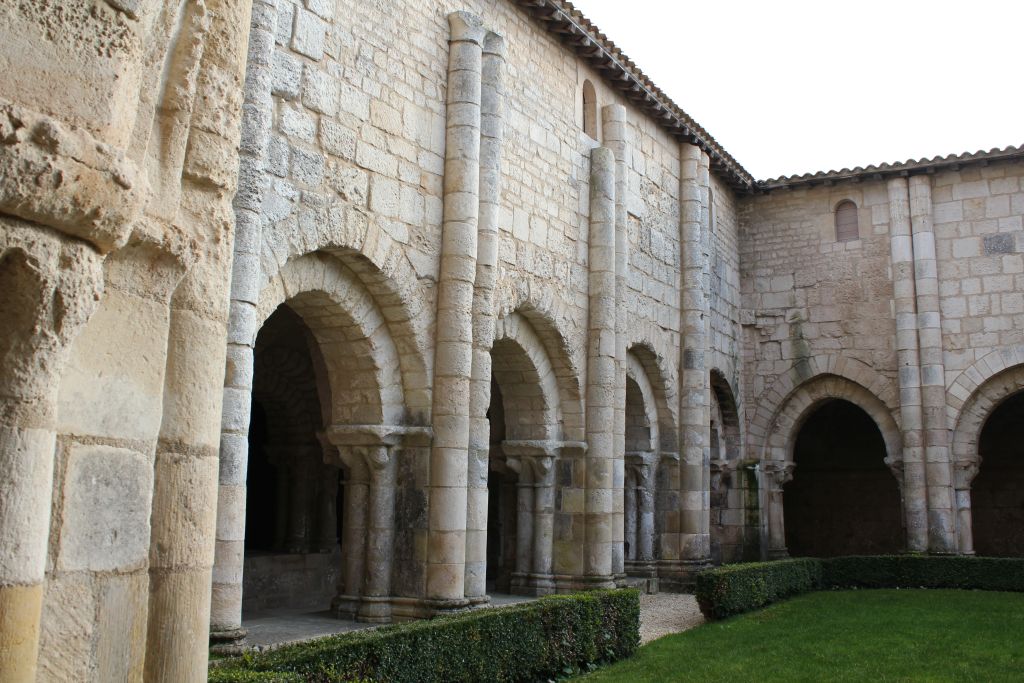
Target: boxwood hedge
point(738, 588)
point(547, 638)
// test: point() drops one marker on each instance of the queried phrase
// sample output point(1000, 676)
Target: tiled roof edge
point(579, 34)
point(888, 170)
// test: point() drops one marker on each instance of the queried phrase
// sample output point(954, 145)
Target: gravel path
point(665, 613)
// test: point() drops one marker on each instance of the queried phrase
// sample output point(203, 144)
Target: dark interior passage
point(997, 493)
point(843, 500)
point(501, 503)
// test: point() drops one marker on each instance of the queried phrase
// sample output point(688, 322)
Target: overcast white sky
point(792, 86)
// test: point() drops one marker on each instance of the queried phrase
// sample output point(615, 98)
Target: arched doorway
point(843, 499)
point(292, 555)
point(997, 492)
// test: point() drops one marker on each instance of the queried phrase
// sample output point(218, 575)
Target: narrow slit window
point(846, 222)
point(589, 109)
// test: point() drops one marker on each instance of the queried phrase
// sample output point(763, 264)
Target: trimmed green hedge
point(924, 571)
point(738, 588)
point(547, 638)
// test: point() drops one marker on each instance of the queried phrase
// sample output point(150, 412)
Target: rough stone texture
point(163, 190)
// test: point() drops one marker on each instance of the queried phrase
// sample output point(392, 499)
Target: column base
point(534, 585)
point(778, 554)
point(569, 583)
point(679, 576)
point(374, 610)
point(641, 568)
point(229, 641)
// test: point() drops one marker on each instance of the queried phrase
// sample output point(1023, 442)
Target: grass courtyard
point(851, 635)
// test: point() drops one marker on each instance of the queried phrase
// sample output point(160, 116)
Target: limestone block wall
point(923, 310)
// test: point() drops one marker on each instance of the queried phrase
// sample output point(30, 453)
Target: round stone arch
point(361, 359)
point(1005, 379)
point(559, 355)
point(772, 401)
point(527, 380)
point(637, 373)
point(661, 378)
point(801, 402)
point(382, 269)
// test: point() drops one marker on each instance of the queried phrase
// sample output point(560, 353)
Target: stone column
point(601, 373)
point(541, 579)
point(915, 503)
point(184, 518)
point(491, 136)
point(614, 130)
point(938, 471)
point(453, 360)
point(524, 524)
point(229, 556)
point(694, 409)
point(629, 513)
point(299, 525)
point(44, 303)
point(345, 604)
point(382, 465)
point(776, 474)
point(645, 504)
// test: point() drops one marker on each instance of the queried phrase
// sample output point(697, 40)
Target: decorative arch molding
point(725, 396)
point(967, 383)
point(979, 406)
point(511, 315)
point(381, 384)
point(642, 360)
point(379, 262)
point(771, 402)
point(636, 372)
point(521, 365)
point(801, 403)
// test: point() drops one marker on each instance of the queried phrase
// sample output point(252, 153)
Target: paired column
point(491, 136)
point(938, 471)
point(370, 455)
point(43, 306)
point(226, 603)
point(694, 411)
point(640, 511)
point(915, 502)
point(453, 360)
point(535, 514)
point(601, 373)
point(613, 128)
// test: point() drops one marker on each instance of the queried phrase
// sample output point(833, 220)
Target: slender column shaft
point(524, 522)
point(630, 513)
point(694, 411)
point(645, 495)
point(491, 135)
point(601, 371)
point(544, 519)
point(453, 360)
point(353, 537)
point(226, 603)
point(914, 490)
point(614, 131)
point(380, 534)
point(298, 502)
point(938, 472)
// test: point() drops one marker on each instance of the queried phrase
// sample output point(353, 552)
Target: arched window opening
point(846, 221)
point(589, 109)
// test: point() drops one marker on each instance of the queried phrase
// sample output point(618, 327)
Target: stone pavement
point(665, 613)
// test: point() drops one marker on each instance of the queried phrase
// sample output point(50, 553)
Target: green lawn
point(864, 635)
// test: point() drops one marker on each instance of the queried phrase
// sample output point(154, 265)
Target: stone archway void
point(997, 493)
point(292, 497)
point(843, 499)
